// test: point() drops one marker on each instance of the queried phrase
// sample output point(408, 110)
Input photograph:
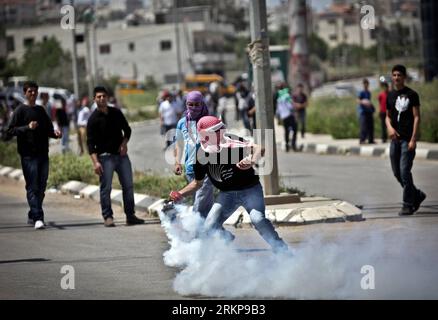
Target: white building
point(142, 51)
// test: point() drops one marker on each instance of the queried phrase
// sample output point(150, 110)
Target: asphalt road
point(127, 262)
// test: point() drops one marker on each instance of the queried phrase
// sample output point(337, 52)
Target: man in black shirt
point(33, 127)
point(229, 165)
point(108, 133)
point(403, 123)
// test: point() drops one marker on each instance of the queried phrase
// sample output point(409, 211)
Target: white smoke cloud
point(318, 269)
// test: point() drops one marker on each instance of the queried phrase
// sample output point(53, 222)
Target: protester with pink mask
point(228, 162)
point(187, 140)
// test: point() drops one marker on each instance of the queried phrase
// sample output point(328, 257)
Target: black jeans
point(36, 172)
point(402, 160)
point(366, 121)
point(302, 122)
point(383, 124)
point(290, 125)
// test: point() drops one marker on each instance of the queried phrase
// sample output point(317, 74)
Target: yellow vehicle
point(201, 82)
point(128, 86)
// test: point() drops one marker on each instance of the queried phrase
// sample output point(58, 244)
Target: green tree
point(318, 47)
point(47, 63)
point(280, 37)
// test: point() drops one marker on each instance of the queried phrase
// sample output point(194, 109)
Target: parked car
point(345, 90)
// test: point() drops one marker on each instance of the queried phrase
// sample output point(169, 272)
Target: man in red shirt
point(382, 102)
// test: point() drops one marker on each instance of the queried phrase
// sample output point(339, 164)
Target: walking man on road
point(108, 133)
point(33, 127)
point(403, 123)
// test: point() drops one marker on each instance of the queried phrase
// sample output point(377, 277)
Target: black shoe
point(418, 201)
point(406, 211)
point(132, 220)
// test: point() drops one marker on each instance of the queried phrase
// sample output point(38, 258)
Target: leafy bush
point(64, 168)
point(156, 185)
point(9, 155)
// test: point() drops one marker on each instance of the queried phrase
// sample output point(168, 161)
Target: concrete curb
point(309, 210)
point(142, 201)
point(366, 151)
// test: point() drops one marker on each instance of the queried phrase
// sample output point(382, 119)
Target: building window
point(79, 38)
point(165, 45)
point(28, 42)
point(105, 49)
point(10, 44)
point(44, 38)
point(333, 37)
point(131, 46)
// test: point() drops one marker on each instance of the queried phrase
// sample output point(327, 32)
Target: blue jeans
point(253, 201)
point(121, 165)
point(65, 138)
point(36, 172)
point(204, 197)
point(401, 162)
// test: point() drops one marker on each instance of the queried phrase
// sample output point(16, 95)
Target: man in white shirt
point(168, 116)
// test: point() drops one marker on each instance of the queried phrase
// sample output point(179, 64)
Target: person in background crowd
point(366, 110)
point(383, 95)
point(187, 139)
point(300, 104)
point(63, 123)
point(83, 116)
point(168, 117)
point(286, 114)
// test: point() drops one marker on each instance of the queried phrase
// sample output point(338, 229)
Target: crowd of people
point(205, 153)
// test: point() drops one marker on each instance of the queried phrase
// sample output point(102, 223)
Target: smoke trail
point(318, 269)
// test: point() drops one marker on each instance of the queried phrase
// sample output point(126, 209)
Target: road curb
point(366, 151)
point(309, 210)
point(142, 201)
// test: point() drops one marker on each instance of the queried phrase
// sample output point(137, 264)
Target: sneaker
point(39, 225)
point(132, 220)
point(420, 199)
point(406, 211)
point(109, 222)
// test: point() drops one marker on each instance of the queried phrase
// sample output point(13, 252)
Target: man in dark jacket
point(33, 127)
point(108, 133)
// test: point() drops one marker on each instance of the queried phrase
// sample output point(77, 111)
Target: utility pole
point(299, 71)
point(95, 72)
point(177, 42)
point(87, 20)
point(74, 58)
point(260, 57)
